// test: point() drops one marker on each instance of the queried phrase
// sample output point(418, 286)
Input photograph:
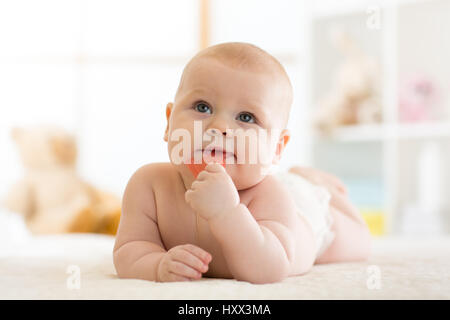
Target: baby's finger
point(196, 184)
point(202, 175)
point(214, 167)
point(190, 259)
point(177, 278)
point(180, 269)
point(198, 252)
point(189, 195)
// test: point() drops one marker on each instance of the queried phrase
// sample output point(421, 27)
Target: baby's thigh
point(351, 243)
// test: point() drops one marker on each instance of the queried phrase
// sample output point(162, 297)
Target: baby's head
point(228, 92)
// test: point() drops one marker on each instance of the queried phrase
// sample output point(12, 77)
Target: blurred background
point(371, 100)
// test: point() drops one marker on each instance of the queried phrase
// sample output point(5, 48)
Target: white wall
point(105, 70)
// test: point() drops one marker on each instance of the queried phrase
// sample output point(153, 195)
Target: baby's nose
point(214, 132)
point(218, 126)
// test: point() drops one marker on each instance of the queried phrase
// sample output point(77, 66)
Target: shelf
point(330, 9)
point(405, 49)
point(380, 132)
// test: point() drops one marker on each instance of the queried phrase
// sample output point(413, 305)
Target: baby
point(210, 213)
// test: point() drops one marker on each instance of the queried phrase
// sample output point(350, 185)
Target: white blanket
point(79, 266)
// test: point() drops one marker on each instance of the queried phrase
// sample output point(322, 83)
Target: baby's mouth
point(217, 154)
point(208, 156)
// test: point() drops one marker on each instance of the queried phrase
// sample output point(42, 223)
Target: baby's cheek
point(245, 176)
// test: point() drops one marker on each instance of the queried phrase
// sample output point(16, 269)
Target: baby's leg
point(352, 240)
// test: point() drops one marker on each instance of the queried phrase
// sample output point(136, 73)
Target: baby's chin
point(247, 176)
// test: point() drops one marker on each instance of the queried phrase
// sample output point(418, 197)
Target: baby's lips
point(210, 158)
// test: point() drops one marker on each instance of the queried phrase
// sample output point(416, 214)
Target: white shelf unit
point(381, 132)
point(413, 36)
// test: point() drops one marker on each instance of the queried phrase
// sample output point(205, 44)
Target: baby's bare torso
point(178, 224)
point(155, 210)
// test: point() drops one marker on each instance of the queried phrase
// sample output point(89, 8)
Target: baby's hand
point(213, 193)
point(183, 263)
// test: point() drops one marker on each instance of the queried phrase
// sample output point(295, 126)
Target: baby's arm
point(138, 251)
point(138, 248)
point(262, 242)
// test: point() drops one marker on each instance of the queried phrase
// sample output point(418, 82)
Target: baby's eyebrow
point(199, 92)
point(186, 96)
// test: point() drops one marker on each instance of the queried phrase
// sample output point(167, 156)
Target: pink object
point(197, 168)
point(417, 98)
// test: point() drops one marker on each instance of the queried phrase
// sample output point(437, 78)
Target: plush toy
point(51, 196)
point(418, 99)
point(352, 98)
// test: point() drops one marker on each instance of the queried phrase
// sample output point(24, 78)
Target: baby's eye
point(246, 117)
point(202, 107)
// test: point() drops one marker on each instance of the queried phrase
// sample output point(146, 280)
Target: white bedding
point(402, 268)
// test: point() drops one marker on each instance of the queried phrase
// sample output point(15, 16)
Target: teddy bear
point(51, 195)
point(352, 98)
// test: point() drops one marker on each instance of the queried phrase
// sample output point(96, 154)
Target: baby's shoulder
point(272, 185)
point(152, 174)
point(155, 169)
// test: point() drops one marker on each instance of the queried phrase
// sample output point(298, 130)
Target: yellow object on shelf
point(375, 220)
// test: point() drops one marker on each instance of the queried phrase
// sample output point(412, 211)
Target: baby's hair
point(245, 56)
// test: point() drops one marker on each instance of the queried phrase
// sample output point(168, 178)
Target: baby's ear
point(282, 142)
point(168, 113)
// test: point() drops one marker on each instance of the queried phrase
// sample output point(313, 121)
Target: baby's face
point(227, 104)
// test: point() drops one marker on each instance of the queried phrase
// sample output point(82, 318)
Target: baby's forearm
point(252, 253)
point(138, 260)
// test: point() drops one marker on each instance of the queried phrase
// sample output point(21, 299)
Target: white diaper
point(313, 204)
